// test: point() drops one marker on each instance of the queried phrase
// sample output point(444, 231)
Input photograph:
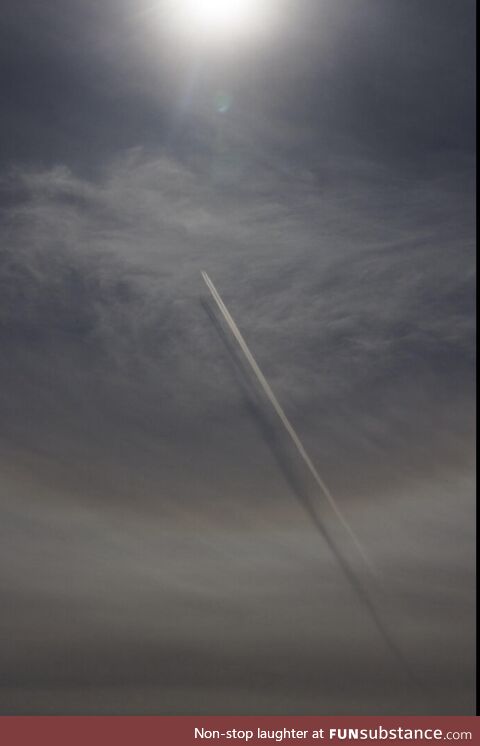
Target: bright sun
point(221, 14)
point(219, 19)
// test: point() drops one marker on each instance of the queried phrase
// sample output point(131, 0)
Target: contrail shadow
point(287, 462)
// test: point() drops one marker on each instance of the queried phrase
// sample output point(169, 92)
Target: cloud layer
point(156, 557)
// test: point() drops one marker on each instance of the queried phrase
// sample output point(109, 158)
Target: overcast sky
point(155, 553)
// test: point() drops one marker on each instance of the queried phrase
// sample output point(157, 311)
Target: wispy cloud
point(145, 520)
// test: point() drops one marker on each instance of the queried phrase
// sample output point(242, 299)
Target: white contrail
point(283, 417)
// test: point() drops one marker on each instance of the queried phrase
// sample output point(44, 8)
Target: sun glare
point(220, 19)
point(221, 14)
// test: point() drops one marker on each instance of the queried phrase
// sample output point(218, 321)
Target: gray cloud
point(156, 557)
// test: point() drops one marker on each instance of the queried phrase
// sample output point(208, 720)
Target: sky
point(158, 552)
